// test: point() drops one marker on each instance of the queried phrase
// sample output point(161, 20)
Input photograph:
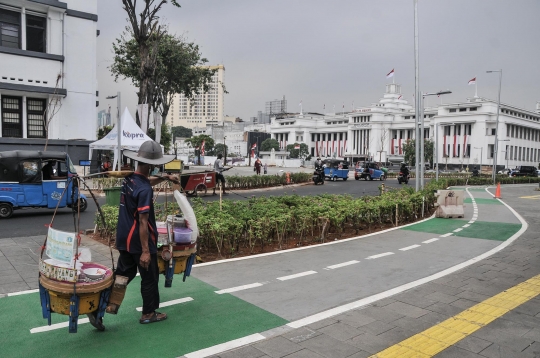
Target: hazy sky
point(339, 52)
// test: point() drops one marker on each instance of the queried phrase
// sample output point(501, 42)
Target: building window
point(490, 151)
point(463, 109)
point(35, 110)
point(467, 153)
point(452, 110)
point(10, 28)
point(35, 33)
point(473, 109)
point(12, 117)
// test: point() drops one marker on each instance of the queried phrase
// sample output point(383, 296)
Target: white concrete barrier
point(450, 204)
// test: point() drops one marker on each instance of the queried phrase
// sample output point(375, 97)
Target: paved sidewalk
point(371, 329)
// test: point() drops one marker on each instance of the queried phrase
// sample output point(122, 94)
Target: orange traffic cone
point(498, 191)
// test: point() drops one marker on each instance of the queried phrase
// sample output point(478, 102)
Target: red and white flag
point(254, 146)
point(472, 82)
point(297, 146)
point(400, 96)
point(390, 74)
point(202, 148)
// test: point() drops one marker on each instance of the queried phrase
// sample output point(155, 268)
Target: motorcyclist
point(404, 170)
point(319, 168)
point(475, 172)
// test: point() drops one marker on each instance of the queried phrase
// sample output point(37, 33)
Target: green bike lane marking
point(483, 201)
point(208, 320)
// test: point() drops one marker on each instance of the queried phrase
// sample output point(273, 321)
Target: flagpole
point(476, 88)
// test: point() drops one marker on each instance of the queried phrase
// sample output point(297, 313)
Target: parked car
point(523, 170)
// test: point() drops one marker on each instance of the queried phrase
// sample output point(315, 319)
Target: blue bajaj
point(35, 179)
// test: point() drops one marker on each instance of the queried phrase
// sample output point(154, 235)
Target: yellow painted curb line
point(447, 333)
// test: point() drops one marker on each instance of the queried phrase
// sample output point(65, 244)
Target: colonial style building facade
point(463, 132)
point(48, 65)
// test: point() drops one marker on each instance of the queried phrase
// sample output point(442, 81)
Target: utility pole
point(418, 97)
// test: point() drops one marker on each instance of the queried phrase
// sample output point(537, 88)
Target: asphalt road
point(33, 222)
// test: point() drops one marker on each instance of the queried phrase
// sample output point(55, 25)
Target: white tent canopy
point(132, 137)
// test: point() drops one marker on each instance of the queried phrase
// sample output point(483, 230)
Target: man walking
point(136, 235)
point(219, 168)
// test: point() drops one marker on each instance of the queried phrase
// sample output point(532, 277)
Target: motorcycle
point(403, 178)
point(318, 176)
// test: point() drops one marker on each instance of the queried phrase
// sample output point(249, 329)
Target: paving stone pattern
point(367, 331)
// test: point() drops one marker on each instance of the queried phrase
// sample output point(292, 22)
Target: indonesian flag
point(254, 146)
point(400, 96)
point(202, 148)
point(390, 74)
point(472, 82)
point(297, 146)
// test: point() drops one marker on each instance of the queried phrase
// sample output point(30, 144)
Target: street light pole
point(481, 151)
point(496, 146)
point(418, 96)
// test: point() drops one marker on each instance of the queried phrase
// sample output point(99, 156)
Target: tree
point(181, 132)
point(177, 69)
point(409, 151)
point(196, 142)
point(53, 106)
point(103, 131)
point(298, 153)
point(269, 144)
point(166, 137)
point(219, 148)
point(383, 140)
point(146, 33)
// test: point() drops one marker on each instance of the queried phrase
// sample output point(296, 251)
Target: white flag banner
point(472, 82)
point(390, 74)
point(157, 126)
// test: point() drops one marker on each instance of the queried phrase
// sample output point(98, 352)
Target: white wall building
point(379, 131)
point(206, 108)
point(41, 41)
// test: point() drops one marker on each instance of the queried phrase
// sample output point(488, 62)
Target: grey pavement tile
point(33, 285)
point(519, 317)
point(463, 303)
point(533, 334)
point(396, 335)
point(533, 349)
point(383, 302)
point(361, 354)
point(442, 297)
point(10, 279)
point(304, 353)
point(330, 347)
point(498, 351)
point(455, 352)
point(277, 347)
point(504, 339)
point(457, 283)
point(377, 327)
point(486, 289)
point(355, 318)
point(445, 289)
point(506, 326)
point(473, 344)
point(445, 309)
point(415, 325)
point(502, 274)
point(415, 299)
point(381, 313)
point(323, 323)
point(369, 343)
point(340, 331)
point(407, 309)
point(488, 267)
point(4, 243)
point(473, 296)
point(531, 307)
point(300, 334)
point(14, 287)
point(244, 352)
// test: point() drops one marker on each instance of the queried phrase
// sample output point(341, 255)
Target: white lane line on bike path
point(238, 288)
point(170, 303)
point(379, 255)
point(429, 241)
point(301, 274)
point(343, 264)
point(409, 248)
point(447, 234)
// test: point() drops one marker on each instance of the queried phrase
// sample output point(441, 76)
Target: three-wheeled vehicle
point(336, 169)
point(369, 171)
point(37, 179)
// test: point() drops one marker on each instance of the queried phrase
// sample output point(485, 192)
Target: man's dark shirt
point(47, 171)
point(136, 198)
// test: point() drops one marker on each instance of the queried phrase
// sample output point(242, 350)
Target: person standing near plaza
point(219, 168)
point(136, 234)
point(258, 166)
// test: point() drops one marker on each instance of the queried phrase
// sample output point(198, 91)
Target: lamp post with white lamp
point(437, 148)
point(118, 128)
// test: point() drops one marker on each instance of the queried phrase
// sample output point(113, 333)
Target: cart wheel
point(199, 190)
point(345, 179)
point(6, 210)
point(368, 177)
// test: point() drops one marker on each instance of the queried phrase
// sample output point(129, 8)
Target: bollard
point(382, 188)
point(288, 178)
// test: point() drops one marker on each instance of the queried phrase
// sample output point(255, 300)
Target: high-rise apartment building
point(204, 109)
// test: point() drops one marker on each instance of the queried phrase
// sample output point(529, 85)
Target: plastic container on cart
point(182, 235)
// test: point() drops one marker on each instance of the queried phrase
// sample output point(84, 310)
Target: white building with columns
point(466, 132)
point(47, 51)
